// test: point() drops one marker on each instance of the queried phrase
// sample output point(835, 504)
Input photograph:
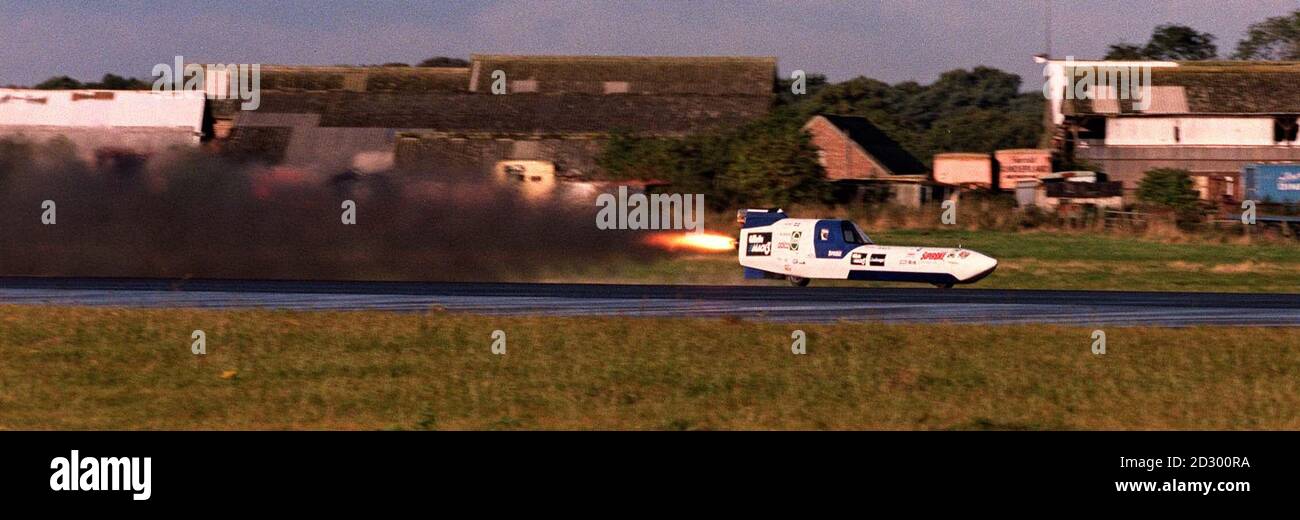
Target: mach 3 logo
point(102, 474)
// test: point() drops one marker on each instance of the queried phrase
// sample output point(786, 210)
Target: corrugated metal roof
point(364, 79)
point(876, 142)
point(674, 75)
point(1208, 88)
point(1168, 99)
point(514, 114)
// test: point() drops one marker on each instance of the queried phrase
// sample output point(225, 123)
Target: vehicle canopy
point(832, 237)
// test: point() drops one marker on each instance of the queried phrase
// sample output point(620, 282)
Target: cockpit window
point(852, 234)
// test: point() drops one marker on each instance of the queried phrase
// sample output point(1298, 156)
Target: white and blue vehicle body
point(772, 245)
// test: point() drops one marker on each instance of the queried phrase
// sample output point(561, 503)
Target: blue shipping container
point(1278, 183)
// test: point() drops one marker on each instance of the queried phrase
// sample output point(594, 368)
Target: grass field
point(1036, 260)
point(71, 368)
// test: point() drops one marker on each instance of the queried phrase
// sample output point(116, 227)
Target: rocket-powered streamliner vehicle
point(772, 245)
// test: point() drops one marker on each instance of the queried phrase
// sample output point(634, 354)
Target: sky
point(890, 40)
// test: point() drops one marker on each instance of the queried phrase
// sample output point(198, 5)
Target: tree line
point(1276, 38)
point(771, 161)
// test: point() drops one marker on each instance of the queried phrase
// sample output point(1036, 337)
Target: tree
point(771, 160)
point(60, 83)
point(443, 61)
point(774, 167)
point(957, 90)
point(945, 116)
point(1168, 187)
point(783, 88)
point(690, 164)
point(985, 130)
point(109, 82)
point(1180, 42)
point(1168, 42)
point(1126, 52)
point(115, 82)
point(1276, 38)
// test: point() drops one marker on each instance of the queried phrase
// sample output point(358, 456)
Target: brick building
point(865, 161)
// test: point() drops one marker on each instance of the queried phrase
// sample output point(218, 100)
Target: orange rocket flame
point(694, 242)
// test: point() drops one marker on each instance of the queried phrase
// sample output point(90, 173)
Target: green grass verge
point(1032, 260)
point(70, 368)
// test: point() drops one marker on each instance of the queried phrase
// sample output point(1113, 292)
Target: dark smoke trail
point(191, 214)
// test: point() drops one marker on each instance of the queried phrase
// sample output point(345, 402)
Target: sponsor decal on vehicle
point(858, 259)
point(964, 254)
point(836, 253)
point(932, 256)
point(760, 244)
point(878, 260)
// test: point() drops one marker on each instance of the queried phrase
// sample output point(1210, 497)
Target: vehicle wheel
point(943, 285)
point(795, 280)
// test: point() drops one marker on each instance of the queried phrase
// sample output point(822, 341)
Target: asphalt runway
point(761, 302)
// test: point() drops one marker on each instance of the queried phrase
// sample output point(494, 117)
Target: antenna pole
point(1047, 28)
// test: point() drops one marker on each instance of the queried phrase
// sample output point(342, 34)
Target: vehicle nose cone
point(979, 266)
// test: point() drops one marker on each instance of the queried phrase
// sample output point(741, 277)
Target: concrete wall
point(1128, 163)
point(333, 150)
point(1213, 131)
point(964, 169)
point(468, 158)
point(102, 108)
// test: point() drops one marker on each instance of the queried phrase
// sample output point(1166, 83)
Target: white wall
point(1223, 131)
point(963, 169)
point(78, 108)
point(1055, 82)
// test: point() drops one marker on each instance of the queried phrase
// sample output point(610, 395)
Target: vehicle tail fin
point(749, 218)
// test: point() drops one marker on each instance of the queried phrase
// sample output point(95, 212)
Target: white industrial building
point(102, 122)
point(1210, 118)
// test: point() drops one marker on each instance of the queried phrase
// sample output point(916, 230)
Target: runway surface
point(763, 302)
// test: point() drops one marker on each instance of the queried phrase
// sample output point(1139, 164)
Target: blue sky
point(891, 40)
